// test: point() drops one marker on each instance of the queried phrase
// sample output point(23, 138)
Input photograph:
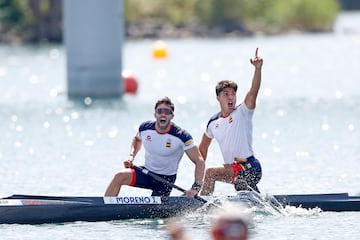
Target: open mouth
point(230, 104)
point(162, 120)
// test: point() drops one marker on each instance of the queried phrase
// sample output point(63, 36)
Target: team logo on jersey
point(148, 138)
point(168, 143)
point(230, 120)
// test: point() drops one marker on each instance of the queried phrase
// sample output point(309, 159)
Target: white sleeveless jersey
point(163, 152)
point(233, 133)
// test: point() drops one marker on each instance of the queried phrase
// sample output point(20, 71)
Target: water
point(306, 127)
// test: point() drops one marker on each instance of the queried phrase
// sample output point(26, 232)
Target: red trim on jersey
point(170, 127)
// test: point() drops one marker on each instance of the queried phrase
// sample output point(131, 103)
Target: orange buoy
point(160, 50)
point(130, 82)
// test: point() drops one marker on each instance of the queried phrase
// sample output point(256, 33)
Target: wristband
point(196, 186)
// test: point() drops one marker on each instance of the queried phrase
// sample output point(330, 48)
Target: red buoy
point(130, 82)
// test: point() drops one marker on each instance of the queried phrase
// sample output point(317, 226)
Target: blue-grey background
point(306, 127)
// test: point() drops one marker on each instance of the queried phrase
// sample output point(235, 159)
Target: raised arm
point(250, 99)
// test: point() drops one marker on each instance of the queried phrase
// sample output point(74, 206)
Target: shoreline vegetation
point(38, 21)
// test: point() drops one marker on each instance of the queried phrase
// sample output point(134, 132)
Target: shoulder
point(243, 111)
point(242, 107)
point(147, 125)
point(180, 133)
point(213, 118)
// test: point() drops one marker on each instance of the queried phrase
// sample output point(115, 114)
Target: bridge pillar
point(93, 37)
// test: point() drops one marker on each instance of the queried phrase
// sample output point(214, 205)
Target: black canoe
point(29, 209)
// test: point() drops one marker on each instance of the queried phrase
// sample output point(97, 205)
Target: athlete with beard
point(164, 143)
point(232, 128)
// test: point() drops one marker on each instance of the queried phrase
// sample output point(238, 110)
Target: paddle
point(160, 179)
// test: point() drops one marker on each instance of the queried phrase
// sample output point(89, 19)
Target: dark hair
point(165, 101)
point(220, 86)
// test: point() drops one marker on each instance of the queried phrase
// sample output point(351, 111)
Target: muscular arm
point(135, 145)
point(250, 99)
point(195, 156)
point(204, 146)
point(134, 149)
